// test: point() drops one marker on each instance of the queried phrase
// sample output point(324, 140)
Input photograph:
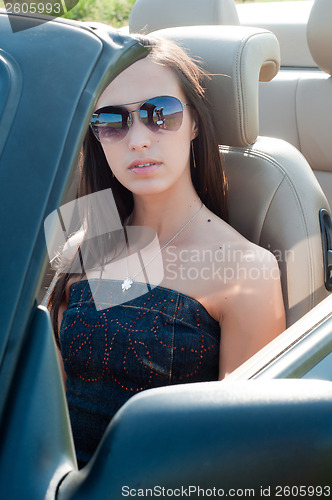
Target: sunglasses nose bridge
point(130, 120)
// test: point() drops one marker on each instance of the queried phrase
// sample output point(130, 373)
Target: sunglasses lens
point(164, 113)
point(110, 124)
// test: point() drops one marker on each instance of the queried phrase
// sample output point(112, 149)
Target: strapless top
point(110, 353)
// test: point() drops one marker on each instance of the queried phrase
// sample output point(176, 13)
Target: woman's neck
point(165, 212)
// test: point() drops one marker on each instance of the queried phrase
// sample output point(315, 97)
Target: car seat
point(288, 21)
point(297, 105)
point(274, 198)
point(151, 15)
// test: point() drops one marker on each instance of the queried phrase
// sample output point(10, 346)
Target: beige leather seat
point(274, 197)
point(297, 104)
point(288, 21)
point(151, 15)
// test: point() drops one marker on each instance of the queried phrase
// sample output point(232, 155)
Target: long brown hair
point(208, 177)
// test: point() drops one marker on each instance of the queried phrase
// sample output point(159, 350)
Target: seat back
point(288, 21)
point(274, 198)
point(297, 104)
point(151, 15)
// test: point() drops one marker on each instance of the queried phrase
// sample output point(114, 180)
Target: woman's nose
point(139, 135)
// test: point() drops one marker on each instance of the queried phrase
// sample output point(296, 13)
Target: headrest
point(288, 21)
point(151, 15)
point(319, 34)
point(236, 57)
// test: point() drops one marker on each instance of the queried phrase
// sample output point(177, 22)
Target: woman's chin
point(147, 188)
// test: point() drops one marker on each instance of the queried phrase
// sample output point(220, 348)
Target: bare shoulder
point(219, 235)
point(240, 287)
point(251, 281)
point(244, 276)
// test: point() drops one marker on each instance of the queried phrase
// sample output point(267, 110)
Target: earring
point(193, 154)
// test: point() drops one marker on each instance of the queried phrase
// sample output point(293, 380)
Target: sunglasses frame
point(129, 123)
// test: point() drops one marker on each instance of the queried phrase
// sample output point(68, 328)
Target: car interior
point(296, 104)
point(286, 102)
point(277, 99)
point(274, 199)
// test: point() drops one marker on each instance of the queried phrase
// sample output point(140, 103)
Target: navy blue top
point(158, 338)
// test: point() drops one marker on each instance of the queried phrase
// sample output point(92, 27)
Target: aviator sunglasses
point(111, 123)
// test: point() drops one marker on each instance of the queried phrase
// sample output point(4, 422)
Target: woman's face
point(166, 154)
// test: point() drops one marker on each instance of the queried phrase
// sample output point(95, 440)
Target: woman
point(218, 299)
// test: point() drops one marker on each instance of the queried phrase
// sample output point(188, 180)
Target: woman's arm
point(254, 314)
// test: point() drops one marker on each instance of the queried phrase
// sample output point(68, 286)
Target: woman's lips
point(144, 166)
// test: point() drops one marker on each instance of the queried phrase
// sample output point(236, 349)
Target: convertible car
point(266, 430)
